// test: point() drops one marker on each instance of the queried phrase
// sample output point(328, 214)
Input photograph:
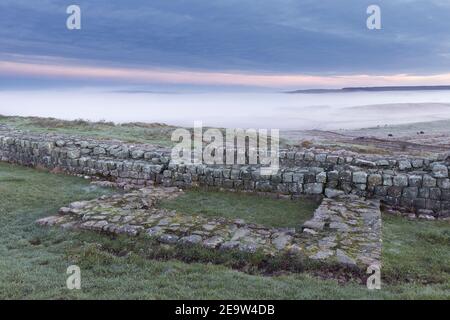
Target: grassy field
point(250, 207)
point(133, 132)
point(154, 133)
point(34, 259)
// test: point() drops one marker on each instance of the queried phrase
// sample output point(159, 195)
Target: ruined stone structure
point(345, 230)
point(416, 185)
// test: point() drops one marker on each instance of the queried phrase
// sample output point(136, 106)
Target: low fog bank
point(249, 110)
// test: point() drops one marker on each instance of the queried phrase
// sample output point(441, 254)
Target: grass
point(34, 259)
point(132, 132)
point(250, 207)
point(416, 251)
point(135, 132)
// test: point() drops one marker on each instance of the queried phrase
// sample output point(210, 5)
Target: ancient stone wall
point(421, 185)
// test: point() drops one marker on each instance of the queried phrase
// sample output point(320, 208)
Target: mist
point(234, 110)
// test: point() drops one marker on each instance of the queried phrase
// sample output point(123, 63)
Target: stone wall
point(420, 185)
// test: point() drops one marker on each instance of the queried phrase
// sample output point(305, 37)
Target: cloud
point(165, 76)
point(285, 36)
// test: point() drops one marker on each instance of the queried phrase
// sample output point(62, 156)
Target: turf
point(34, 259)
point(155, 133)
point(250, 207)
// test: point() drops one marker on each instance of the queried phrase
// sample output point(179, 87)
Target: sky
point(275, 44)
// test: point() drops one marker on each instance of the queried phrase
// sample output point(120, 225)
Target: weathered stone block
point(395, 191)
point(297, 177)
point(309, 177)
point(443, 183)
point(404, 165)
point(435, 193)
point(364, 163)
point(374, 180)
point(333, 175)
point(309, 156)
point(228, 183)
point(424, 193)
point(332, 159)
point(445, 194)
point(400, 181)
point(98, 151)
point(59, 143)
point(417, 163)
point(407, 203)
point(387, 180)
point(361, 186)
point(74, 153)
point(332, 193)
point(321, 157)
point(137, 154)
point(287, 177)
point(346, 186)
point(415, 181)
point(381, 191)
point(313, 188)
point(428, 181)
point(382, 163)
point(434, 205)
point(321, 177)
point(410, 192)
point(440, 171)
point(419, 203)
point(359, 177)
point(263, 186)
point(345, 176)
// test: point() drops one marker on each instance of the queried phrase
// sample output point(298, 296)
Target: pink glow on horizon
point(214, 78)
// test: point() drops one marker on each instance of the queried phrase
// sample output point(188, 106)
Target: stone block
point(415, 181)
point(313, 188)
point(374, 180)
point(443, 183)
point(395, 191)
point(439, 171)
point(435, 193)
point(332, 193)
point(404, 165)
point(321, 177)
point(400, 180)
point(387, 180)
point(359, 177)
point(428, 181)
point(410, 192)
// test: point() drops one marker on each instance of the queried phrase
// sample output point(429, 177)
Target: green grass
point(154, 133)
point(34, 259)
point(250, 207)
point(132, 132)
point(416, 250)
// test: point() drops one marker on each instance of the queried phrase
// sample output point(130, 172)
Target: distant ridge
point(372, 89)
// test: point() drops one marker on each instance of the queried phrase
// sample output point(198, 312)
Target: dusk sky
point(241, 43)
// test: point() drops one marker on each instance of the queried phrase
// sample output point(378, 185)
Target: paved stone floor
point(346, 229)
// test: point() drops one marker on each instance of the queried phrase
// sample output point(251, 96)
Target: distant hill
point(372, 89)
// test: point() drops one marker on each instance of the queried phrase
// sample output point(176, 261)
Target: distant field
point(414, 139)
point(133, 132)
point(154, 133)
point(34, 259)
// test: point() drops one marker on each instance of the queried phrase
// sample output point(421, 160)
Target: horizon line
point(69, 71)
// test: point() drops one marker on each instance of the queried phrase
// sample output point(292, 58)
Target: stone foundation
point(345, 230)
